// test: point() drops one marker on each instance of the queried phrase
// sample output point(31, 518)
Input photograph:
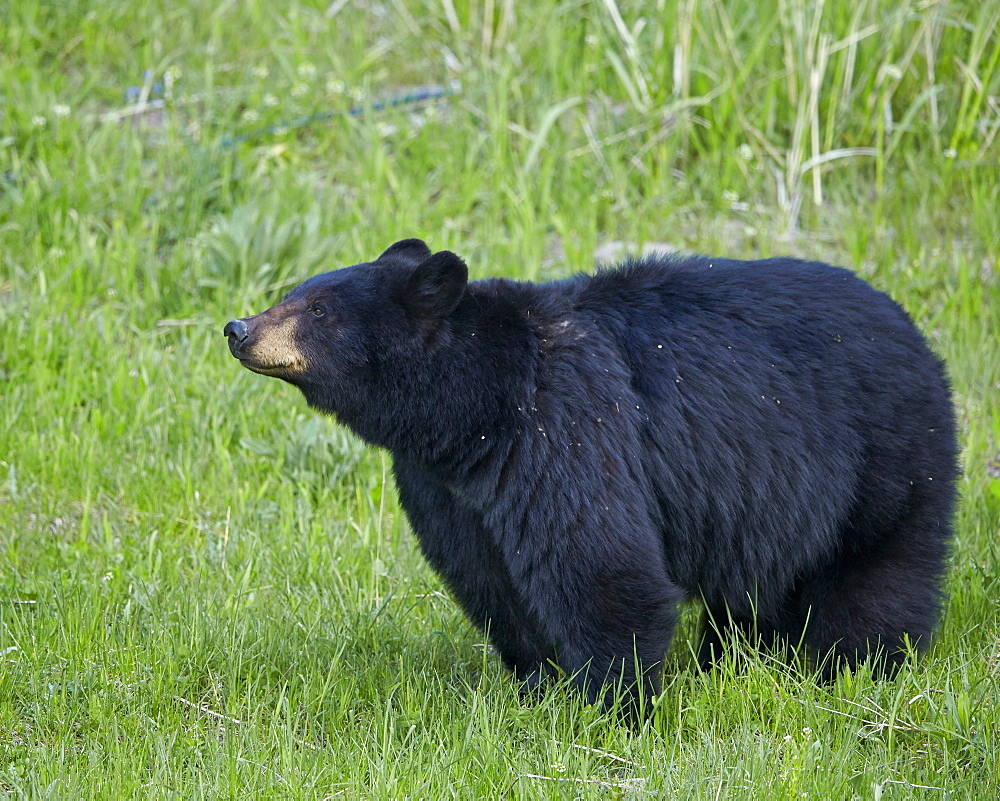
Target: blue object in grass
point(413, 96)
point(133, 93)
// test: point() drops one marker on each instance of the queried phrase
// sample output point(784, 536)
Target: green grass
point(206, 590)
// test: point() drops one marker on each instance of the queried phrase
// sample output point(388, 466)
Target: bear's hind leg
point(868, 606)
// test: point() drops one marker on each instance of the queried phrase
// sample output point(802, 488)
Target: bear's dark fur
point(774, 438)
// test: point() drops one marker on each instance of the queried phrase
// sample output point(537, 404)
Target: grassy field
point(208, 591)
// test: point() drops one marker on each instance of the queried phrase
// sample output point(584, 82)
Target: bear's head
point(345, 338)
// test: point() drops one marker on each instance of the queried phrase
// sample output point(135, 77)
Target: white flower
point(892, 71)
point(39, 121)
point(730, 196)
point(745, 152)
point(299, 89)
point(170, 77)
point(270, 100)
point(334, 85)
point(250, 115)
point(260, 71)
point(61, 110)
point(951, 153)
point(306, 70)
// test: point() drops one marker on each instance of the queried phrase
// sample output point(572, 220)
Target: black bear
point(774, 438)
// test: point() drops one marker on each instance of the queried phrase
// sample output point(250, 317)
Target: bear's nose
point(236, 330)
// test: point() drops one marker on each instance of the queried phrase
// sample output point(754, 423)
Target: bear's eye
point(317, 310)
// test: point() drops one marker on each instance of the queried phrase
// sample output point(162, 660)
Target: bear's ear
point(411, 251)
point(436, 286)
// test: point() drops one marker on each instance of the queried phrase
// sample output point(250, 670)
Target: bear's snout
point(237, 332)
point(266, 343)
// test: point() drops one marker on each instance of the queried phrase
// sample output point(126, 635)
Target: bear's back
point(769, 385)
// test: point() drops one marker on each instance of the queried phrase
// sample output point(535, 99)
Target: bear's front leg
point(456, 544)
point(640, 614)
point(610, 624)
